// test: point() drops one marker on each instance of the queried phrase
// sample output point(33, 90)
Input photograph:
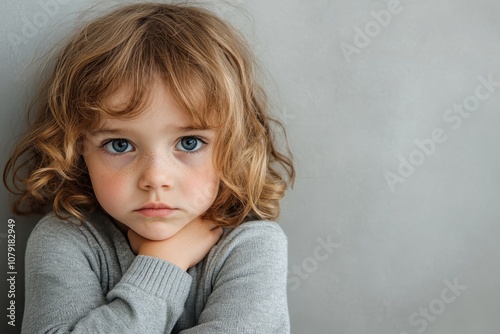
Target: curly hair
point(212, 75)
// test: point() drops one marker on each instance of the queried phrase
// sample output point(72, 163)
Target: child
point(152, 148)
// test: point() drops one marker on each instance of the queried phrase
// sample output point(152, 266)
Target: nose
point(156, 172)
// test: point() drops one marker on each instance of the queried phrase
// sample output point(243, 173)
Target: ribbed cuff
point(158, 277)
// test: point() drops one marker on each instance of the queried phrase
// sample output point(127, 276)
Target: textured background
point(393, 220)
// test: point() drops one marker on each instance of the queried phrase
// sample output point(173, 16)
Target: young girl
point(152, 148)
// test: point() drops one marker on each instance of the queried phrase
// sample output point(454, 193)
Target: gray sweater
point(85, 279)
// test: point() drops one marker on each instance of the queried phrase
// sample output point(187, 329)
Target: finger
point(210, 224)
point(217, 232)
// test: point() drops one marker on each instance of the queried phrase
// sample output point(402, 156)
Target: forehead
point(158, 111)
point(120, 98)
point(129, 101)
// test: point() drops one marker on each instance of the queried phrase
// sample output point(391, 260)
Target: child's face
point(154, 174)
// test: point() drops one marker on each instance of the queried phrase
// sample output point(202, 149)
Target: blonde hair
point(209, 70)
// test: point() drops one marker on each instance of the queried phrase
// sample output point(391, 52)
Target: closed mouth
point(156, 210)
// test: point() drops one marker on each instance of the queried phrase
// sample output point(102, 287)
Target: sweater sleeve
point(249, 285)
point(64, 293)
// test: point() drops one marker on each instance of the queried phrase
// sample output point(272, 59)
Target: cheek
point(203, 192)
point(108, 187)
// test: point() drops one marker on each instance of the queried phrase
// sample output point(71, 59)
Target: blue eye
point(118, 146)
point(189, 144)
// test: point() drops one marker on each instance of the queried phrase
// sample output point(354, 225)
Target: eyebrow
point(172, 129)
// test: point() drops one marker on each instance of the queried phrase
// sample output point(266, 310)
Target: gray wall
point(393, 220)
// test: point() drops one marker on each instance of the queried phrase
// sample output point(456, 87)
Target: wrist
point(170, 258)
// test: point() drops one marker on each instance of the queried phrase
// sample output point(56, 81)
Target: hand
point(184, 249)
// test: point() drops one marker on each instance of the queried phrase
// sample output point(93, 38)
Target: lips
point(156, 205)
point(156, 210)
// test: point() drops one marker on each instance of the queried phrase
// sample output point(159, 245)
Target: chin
point(160, 235)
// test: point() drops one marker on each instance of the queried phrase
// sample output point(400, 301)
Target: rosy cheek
point(204, 193)
point(107, 181)
point(108, 187)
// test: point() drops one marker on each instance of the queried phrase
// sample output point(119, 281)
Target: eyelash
point(202, 148)
point(107, 141)
point(106, 151)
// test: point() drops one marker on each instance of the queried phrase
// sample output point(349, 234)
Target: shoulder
point(50, 225)
point(253, 243)
point(243, 277)
point(254, 232)
point(52, 231)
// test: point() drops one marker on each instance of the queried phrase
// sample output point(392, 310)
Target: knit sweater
point(84, 278)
